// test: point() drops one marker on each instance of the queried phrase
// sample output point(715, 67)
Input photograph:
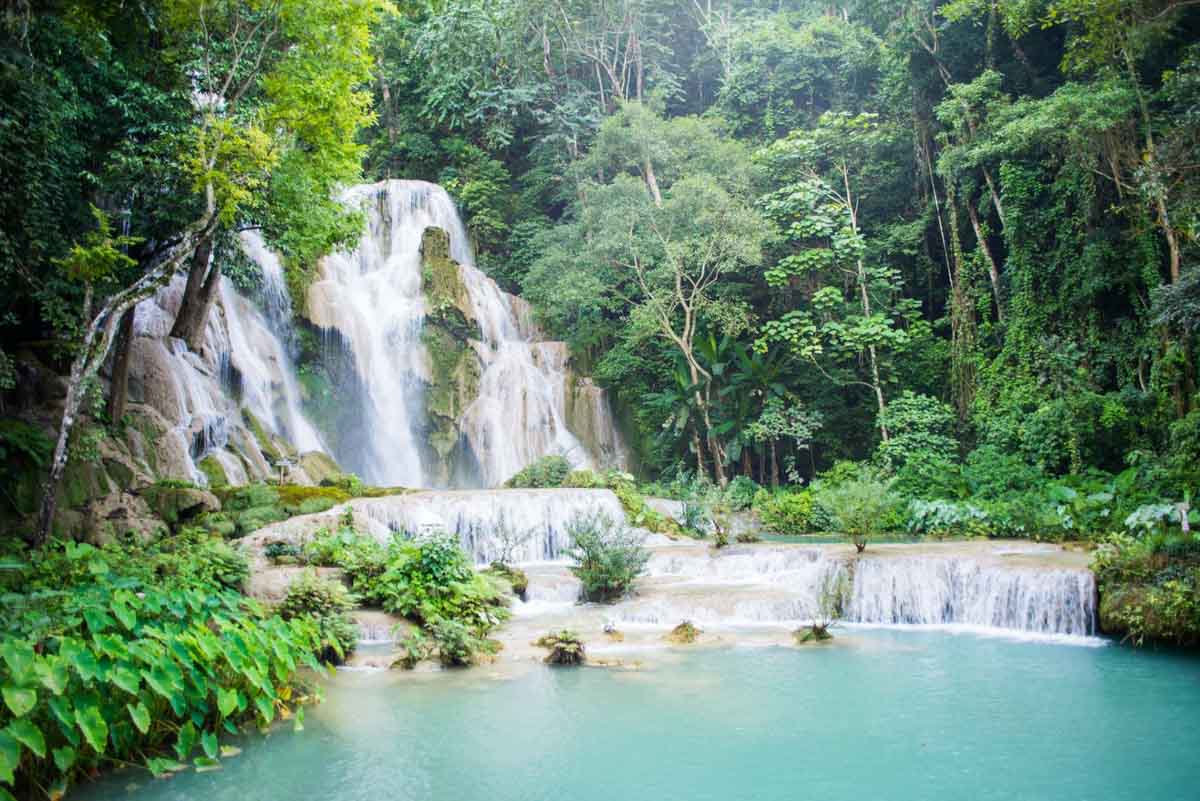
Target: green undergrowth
point(247, 509)
point(138, 655)
point(429, 581)
point(1150, 587)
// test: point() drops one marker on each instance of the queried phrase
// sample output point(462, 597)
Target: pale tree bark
point(993, 270)
point(94, 350)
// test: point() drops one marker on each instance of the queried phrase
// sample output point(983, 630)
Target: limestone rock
point(319, 467)
point(176, 504)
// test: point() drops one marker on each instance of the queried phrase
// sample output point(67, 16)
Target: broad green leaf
point(19, 656)
point(61, 707)
point(29, 735)
point(92, 724)
point(162, 767)
point(185, 743)
point(298, 724)
point(208, 741)
point(64, 758)
point(227, 701)
point(97, 620)
point(53, 675)
point(19, 699)
point(126, 616)
point(126, 679)
point(266, 709)
point(205, 764)
point(5, 795)
point(229, 751)
point(140, 716)
point(10, 756)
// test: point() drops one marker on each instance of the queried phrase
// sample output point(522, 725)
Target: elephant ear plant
point(113, 658)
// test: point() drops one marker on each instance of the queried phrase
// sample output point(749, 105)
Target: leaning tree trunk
point(119, 392)
point(193, 313)
point(96, 343)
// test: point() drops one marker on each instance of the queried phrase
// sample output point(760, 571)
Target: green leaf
point(229, 751)
point(53, 675)
point(97, 620)
point(64, 758)
point(227, 701)
point(5, 795)
point(208, 741)
point(92, 724)
point(126, 679)
point(186, 742)
point(19, 699)
point(125, 615)
point(266, 709)
point(19, 656)
point(204, 764)
point(29, 735)
point(61, 707)
point(10, 756)
point(140, 716)
point(163, 767)
point(298, 724)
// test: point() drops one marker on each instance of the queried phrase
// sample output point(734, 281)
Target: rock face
point(452, 384)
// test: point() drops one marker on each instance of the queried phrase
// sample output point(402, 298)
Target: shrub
point(128, 655)
point(515, 576)
point(739, 495)
point(787, 512)
point(946, 519)
point(608, 556)
point(328, 604)
point(417, 647)
point(566, 648)
point(919, 426)
point(457, 645)
point(859, 508)
point(546, 473)
point(583, 479)
point(282, 553)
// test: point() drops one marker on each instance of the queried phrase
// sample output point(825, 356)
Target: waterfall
point(373, 298)
point(242, 364)
point(535, 521)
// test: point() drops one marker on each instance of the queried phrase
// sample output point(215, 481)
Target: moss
point(514, 576)
point(251, 520)
point(121, 474)
point(77, 484)
point(320, 467)
point(454, 383)
point(643, 516)
point(446, 296)
point(174, 504)
point(292, 496)
point(213, 470)
point(263, 437)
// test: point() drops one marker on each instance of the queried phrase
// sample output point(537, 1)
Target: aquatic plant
point(328, 604)
point(565, 646)
point(135, 655)
point(608, 556)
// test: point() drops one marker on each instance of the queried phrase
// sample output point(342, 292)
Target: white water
point(192, 390)
point(537, 520)
point(372, 298)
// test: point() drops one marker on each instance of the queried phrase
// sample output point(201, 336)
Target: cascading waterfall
point(533, 521)
point(242, 364)
point(373, 299)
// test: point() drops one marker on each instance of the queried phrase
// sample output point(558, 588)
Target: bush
point(739, 495)
point(328, 604)
point(566, 648)
point(786, 512)
point(919, 426)
point(459, 646)
point(547, 472)
point(946, 519)
point(608, 556)
point(417, 647)
point(583, 479)
point(128, 654)
point(859, 508)
point(1150, 588)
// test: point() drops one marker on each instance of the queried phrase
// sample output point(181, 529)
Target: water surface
point(882, 715)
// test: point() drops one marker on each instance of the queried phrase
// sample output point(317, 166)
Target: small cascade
point(532, 524)
point(242, 364)
point(372, 302)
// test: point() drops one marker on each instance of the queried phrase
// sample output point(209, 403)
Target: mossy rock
point(446, 297)
point(239, 499)
point(315, 499)
point(255, 518)
point(175, 504)
point(685, 633)
point(320, 467)
point(808, 635)
point(266, 442)
point(515, 576)
point(121, 474)
point(213, 471)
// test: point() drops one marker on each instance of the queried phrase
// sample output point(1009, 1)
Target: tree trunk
point(119, 391)
point(94, 350)
point(652, 182)
point(774, 467)
point(698, 447)
point(193, 312)
point(993, 271)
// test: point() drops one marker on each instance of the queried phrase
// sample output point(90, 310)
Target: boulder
point(176, 504)
point(320, 467)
